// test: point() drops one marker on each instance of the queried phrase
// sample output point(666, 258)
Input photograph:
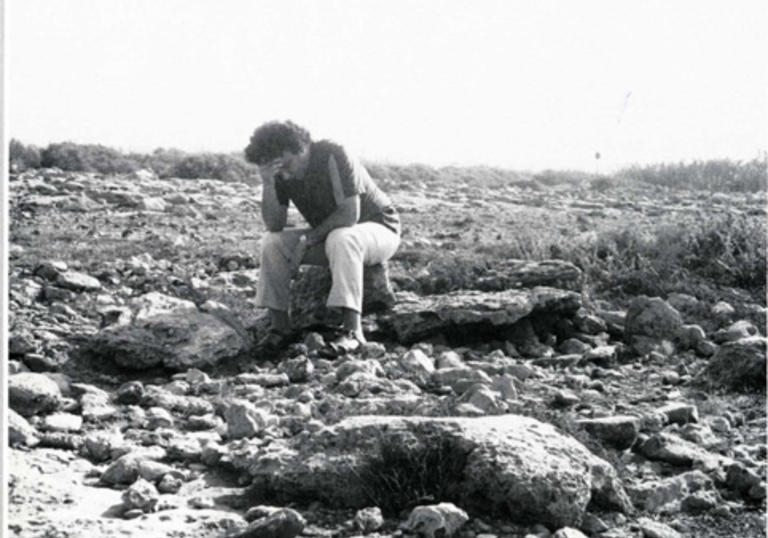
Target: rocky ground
point(514, 405)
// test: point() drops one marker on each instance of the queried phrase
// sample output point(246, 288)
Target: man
point(352, 224)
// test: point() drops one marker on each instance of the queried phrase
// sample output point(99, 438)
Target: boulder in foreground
point(517, 466)
point(169, 332)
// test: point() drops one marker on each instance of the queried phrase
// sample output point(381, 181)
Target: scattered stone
point(650, 318)
point(700, 501)
point(314, 341)
point(94, 403)
point(602, 355)
point(124, 470)
point(674, 450)
point(417, 363)
point(21, 432)
point(723, 311)
point(31, 393)
point(707, 348)
point(670, 377)
point(133, 513)
point(50, 269)
point(73, 280)
point(593, 525)
point(691, 337)
point(569, 532)
point(573, 346)
point(736, 331)
point(436, 520)
point(588, 323)
point(679, 413)
point(298, 369)
point(566, 398)
point(157, 417)
point(284, 523)
point(683, 302)
point(264, 380)
point(154, 470)
point(201, 503)
point(669, 494)
point(656, 529)
point(485, 399)
point(204, 422)
point(260, 511)
point(740, 364)
point(505, 385)
point(130, 393)
point(460, 378)
point(373, 350)
point(369, 519)
point(744, 481)
point(617, 431)
point(37, 362)
point(244, 420)
point(63, 422)
point(141, 495)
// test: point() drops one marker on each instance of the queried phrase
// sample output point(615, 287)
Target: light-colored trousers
point(346, 250)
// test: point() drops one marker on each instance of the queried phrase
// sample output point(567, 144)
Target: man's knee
point(342, 240)
point(271, 244)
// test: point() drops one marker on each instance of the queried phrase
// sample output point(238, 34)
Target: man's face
point(290, 165)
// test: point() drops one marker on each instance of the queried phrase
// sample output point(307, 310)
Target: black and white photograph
point(368, 268)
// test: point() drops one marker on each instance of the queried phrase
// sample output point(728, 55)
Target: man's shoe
point(274, 341)
point(347, 342)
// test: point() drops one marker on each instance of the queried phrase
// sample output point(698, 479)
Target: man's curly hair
point(270, 140)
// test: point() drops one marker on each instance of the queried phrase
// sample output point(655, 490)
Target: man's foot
point(347, 342)
point(274, 341)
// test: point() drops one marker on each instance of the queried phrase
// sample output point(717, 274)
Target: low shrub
point(86, 158)
point(400, 476)
point(215, 166)
point(721, 175)
point(21, 157)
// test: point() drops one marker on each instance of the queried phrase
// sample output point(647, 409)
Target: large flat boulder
point(170, 332)
point(310, 293)
point(514, 465)
point(413, 317)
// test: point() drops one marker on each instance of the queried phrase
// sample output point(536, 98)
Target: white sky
point(526, 84)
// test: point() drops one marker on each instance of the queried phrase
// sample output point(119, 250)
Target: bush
point(721, 175)
point(21, 157)
point(87, 158)
point(400, 475)
point(162, 161)
point(215, 166)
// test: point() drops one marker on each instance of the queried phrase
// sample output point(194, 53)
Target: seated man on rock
point(352, 224)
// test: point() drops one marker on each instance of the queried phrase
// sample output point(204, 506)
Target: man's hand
point(268, 172)
point(313, 238)
point(298, 255)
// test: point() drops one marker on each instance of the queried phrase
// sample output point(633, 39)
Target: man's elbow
point(274, 225)
point(352, 213)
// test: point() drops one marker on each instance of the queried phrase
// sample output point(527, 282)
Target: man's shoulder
point(328, 147)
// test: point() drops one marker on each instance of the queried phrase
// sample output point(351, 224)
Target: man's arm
point(273, 213)
point(347, 213)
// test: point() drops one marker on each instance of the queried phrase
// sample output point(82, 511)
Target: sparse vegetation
point(400, 476)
